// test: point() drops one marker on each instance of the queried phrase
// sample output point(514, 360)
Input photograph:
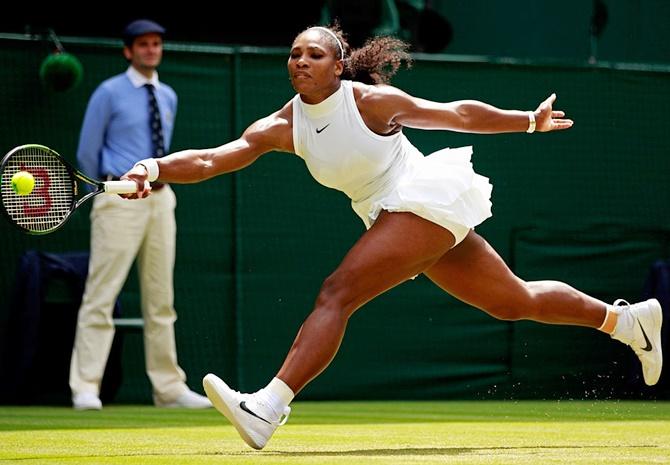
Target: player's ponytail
point(375, 62)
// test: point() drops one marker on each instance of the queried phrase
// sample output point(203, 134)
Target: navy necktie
point(155, 124)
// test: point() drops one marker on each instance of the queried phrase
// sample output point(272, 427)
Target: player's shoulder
point(285, 114)
point(375, 93)
point(273, 130)
point(277, 120)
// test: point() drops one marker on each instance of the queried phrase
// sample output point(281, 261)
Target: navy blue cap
point(140, 27)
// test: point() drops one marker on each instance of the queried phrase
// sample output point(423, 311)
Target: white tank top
point(341, 152)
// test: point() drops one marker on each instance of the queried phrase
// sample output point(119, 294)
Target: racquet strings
point(51, 200)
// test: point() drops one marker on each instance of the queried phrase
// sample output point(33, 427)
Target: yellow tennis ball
point(23, 183)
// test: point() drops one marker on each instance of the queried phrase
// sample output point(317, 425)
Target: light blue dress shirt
point(115, 133)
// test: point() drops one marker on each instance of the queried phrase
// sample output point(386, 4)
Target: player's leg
point(396, 248)
point(474, 272)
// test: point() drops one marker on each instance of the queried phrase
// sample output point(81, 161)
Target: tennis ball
point(23, 183)
point(60, 72)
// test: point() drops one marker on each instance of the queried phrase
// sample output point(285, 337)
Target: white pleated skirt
point(441, 187)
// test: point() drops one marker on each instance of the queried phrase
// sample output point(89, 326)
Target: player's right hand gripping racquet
point(57, 191)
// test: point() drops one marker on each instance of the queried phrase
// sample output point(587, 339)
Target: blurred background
point(618, 30)
point(589, 206)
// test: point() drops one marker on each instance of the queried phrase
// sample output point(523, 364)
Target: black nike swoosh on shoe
point(243, 406)
point(648, 347)
point(318, 131)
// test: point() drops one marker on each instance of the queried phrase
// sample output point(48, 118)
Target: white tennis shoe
point(641, 330)
point(253, 418)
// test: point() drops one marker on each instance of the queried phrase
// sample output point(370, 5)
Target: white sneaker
point(86, 401)
point(644, 335)
point(189, 399)
point(255, 420)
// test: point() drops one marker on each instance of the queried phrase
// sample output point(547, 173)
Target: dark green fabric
point(608, 262)
point(588, 206)
point(634, 31)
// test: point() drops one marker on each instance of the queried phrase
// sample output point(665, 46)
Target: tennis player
point(420, 212)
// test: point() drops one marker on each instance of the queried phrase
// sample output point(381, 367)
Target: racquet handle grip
point(120, 187)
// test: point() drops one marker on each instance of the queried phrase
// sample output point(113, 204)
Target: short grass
point(484, 432)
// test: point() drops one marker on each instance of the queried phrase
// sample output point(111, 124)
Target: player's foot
point(188, 399)
point(641, 328)
point(86, 401)
point(254, 419)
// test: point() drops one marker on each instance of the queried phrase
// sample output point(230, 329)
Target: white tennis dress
point(387, 172)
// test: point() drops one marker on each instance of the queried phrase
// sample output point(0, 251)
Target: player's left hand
point(548, 119)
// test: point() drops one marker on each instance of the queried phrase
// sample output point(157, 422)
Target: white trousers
point(122, 230)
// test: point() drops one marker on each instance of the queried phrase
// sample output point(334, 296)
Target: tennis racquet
point(57, 192)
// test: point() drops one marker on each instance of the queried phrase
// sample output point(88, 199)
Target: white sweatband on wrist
point(151, 165)
point(531, 122)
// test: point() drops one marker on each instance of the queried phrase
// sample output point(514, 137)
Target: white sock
point(277, 394)
point(609, 323)
point(623, 331)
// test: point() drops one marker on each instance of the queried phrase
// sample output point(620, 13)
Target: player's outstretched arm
point(466, 115)
point(272, 133)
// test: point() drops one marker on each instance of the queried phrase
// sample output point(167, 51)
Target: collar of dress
point(319, 110)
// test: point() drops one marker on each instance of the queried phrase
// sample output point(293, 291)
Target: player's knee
point(522, 307)
point(507, 312)
point(333, 296)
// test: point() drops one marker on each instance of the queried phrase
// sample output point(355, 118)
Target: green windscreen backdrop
point(625, 30)
point(589, 206)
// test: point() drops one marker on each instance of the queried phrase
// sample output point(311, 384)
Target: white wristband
point(151, 165)
point(531, 122)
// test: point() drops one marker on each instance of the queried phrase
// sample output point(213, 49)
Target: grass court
point(473, 432)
